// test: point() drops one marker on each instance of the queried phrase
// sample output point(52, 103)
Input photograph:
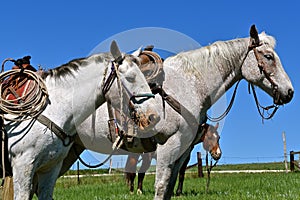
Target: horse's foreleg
point(130, 180)
point(140, 182)
point(169, 160)
point(46, 182)
point(22, 180)
point(166, 168)
point(181, 176)
point(145, 166)
point(130, 170)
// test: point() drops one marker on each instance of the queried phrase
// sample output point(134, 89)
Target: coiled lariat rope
point(30, 104)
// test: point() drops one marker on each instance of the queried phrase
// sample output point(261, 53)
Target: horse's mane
point(217, 54)
point(73, 65)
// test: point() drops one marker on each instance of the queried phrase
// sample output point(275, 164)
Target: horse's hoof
point(131, 192)
point(139, 192)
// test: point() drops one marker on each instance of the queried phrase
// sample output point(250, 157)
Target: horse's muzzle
point(147, 120)
point(283, 99)
point(216, 155)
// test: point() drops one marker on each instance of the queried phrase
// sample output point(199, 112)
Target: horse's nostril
point(291, 93)
point(152, 118)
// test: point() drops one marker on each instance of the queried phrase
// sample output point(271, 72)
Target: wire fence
point(118, 162)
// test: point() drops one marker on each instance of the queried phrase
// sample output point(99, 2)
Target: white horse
point(76, 90)
point(197, 79)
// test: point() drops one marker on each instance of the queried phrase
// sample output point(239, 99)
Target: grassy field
point(238, 186)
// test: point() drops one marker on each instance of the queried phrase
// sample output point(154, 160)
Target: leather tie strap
point(66, 139)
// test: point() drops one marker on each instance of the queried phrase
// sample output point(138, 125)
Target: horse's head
point(133, 91)
point(262, 67)
point(210, 139)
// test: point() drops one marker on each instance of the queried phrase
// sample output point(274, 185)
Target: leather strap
point(66, 139)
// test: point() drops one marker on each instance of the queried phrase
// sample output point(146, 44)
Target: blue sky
point(54, 32)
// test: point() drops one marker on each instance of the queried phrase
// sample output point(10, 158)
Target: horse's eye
point(131, 77)
point(136, 61)
point(269, 56)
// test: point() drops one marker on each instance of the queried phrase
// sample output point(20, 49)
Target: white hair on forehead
point(267, 39)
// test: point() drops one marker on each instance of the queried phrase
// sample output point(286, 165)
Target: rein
point(115, 148)
point(225, 113)
point(208, 169)
point(261, 109)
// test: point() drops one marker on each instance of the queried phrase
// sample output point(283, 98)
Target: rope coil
point(30, 104)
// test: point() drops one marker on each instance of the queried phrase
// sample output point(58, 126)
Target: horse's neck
point(75, 96)
point(212, 70)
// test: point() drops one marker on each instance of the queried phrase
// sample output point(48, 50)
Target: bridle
point(131, 96)
point(254, 43)
point(107, 83)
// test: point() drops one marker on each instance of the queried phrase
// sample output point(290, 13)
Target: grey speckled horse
point(198, 78)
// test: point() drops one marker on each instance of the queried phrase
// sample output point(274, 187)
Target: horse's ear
point(254, 35)
point(115, 52)
point(217, 126)
point(137, 52)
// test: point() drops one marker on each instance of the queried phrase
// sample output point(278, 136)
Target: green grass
point(242, 186)
point(222, 186)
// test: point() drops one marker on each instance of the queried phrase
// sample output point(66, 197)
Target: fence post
point(292, 159)
point(284, 150)
point(200, 170)
point(78, 180)
point(110, 166)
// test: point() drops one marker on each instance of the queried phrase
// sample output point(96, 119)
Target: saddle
point(17, 86)
point(152, 67)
